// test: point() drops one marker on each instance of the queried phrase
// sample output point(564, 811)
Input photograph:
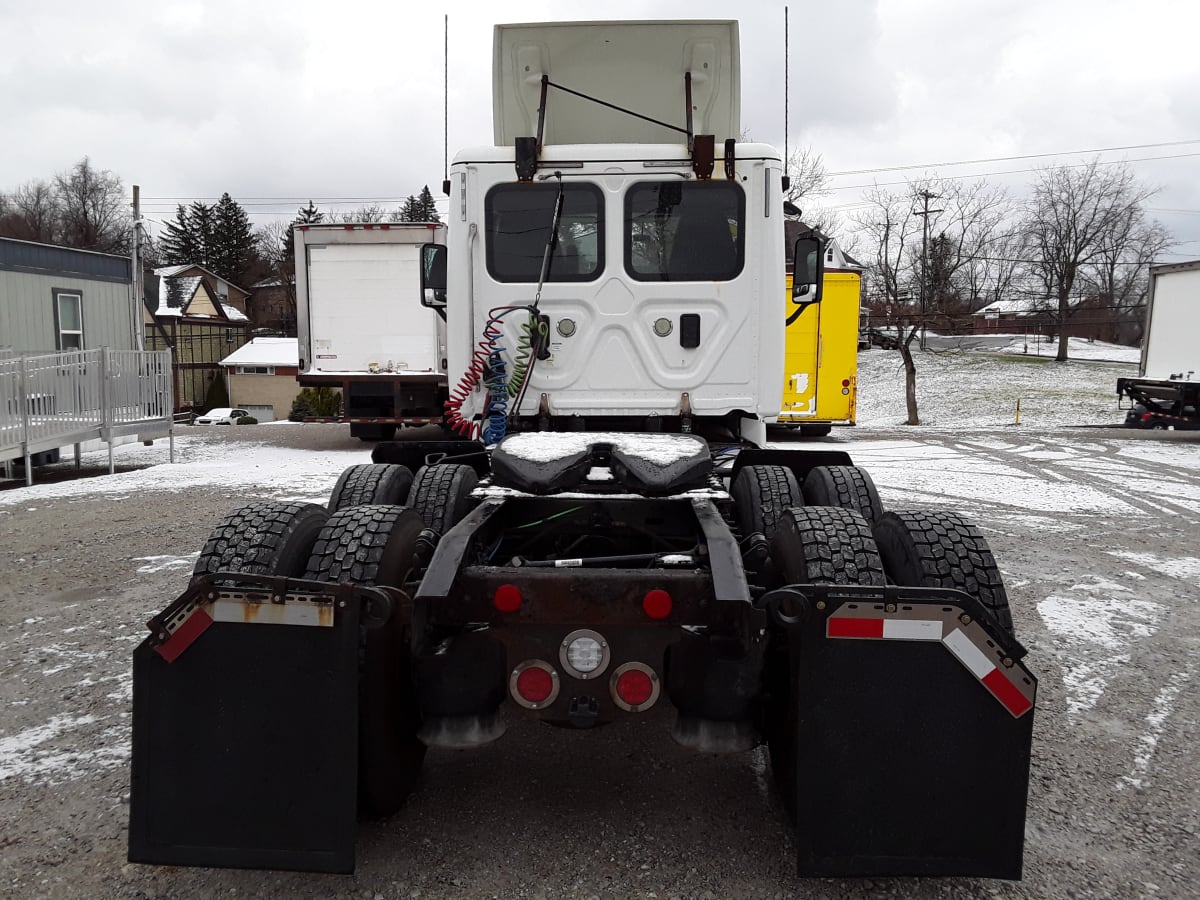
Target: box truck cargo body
point(1166, 393)
point(362, 328)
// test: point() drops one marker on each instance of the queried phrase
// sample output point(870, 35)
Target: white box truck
point(1166, 393)
point(361, 326)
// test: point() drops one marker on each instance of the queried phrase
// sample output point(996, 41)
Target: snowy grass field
point(977, 389)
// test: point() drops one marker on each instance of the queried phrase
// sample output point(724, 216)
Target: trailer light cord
point(487, 366)
point(479, 371)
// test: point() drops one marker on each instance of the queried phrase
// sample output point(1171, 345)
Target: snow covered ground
point(1095, 532)
point(977, 389)
point(956, 389)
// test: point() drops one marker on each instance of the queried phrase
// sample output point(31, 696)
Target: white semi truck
point(362, 329)
point(610, 536)
point(1166, 393)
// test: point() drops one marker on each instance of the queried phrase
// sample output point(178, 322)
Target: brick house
point(262, 377)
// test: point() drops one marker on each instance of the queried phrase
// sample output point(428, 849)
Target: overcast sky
point(278, 102)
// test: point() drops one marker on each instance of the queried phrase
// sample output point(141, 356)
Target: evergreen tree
point(217, 237)
point(200, 221)
point(305, 215)
point(410, 211)
point(427, 207)
point(233, 246)
point(179, 245)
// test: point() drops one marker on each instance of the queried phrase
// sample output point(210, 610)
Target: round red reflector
point(535, 684)
point(657, 604)
point(634, 687)
point(507, 598)
point(845, 382)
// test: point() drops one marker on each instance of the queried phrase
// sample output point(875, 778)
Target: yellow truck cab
point(820, 379)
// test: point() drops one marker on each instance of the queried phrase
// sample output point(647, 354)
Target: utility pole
point(926, 196)
point(136, 311)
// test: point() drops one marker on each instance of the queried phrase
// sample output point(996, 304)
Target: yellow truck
point(820, 386)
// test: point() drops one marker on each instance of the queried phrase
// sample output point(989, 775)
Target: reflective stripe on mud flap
point(964, 637)
point(181, 630)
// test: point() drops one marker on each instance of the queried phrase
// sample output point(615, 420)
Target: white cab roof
point(639, 66)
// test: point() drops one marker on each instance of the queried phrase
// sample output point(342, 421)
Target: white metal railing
point(56, 400)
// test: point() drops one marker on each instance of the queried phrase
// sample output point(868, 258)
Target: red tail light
point(634, 686)
point(507, 598)
point(657, 604)
point(533, 684)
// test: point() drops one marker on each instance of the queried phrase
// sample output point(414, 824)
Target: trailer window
point(685, 231)
point(68, 319)
point(518, 219)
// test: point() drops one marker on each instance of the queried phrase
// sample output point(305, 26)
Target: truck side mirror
point(433, 276)
point(808, 270)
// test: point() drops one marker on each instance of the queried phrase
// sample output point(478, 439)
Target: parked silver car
point(222, 415)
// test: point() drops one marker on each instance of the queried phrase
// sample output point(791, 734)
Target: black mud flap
point(913, 732)
point(245, 706)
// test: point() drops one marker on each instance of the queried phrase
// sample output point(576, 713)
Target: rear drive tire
point(376, 545)
point(812, 545)
point(943, 550)
point(265, 538)
point(846, 486)
point(441, 494)
point(377, 483)
point(761, 495)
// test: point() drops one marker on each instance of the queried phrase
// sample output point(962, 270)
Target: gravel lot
point(1096, 531)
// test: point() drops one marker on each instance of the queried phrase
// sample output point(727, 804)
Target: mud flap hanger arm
point(177, 626)
point(956, 621)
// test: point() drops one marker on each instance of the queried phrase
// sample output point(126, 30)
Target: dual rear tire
point(836, 545)
point(364, 537)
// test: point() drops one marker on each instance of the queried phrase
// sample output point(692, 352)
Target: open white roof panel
point(639, 66)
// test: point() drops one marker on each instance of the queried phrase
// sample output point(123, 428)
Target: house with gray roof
point(201, 318)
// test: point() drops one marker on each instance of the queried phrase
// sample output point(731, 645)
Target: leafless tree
point(1118, 280)
point(95, 210)
point(807, 183)
point(891, 231)
point(993, 273)
point(972, 224)
point(31, 213)
point(372, 213)
point(1076, 216)
point(276, 250)
point(806, 175)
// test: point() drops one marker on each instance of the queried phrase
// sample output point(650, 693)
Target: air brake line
point(487, 367)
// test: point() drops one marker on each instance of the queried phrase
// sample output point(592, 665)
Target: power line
point(271, 201)
point(969, 162)
point(1107, 162)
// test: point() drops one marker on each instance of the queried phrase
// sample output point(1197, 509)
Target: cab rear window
point(685, 231)
point(518, 219)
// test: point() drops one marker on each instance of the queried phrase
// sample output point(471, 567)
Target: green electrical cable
point(523, 361)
